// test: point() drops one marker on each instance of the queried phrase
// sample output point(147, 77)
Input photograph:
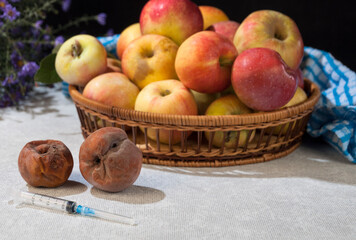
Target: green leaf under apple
point(47, 72)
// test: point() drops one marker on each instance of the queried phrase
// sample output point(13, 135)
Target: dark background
point(328, 25)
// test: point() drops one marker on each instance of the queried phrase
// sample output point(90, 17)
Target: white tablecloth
point(309, 194)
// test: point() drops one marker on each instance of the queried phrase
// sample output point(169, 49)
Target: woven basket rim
point(198, 120)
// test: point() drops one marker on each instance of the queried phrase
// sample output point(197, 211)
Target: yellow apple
point(128, 35)
point(228, 105)
point(212, 15)
point(80, 59)
point(149, 58)
point(168, 97)
point(299, 97)
point(203, 100)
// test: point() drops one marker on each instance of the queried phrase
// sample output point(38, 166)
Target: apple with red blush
point(212, 15)
point(204, 62)
point(129, 34)
point(300, 78)
point(168, 97)
point(262, 80)
point(113, 89)
point(176, 20)
point(225, 28)
point(274, 30)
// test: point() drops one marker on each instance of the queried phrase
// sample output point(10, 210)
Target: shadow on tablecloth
point(67, 189)
point(132, 195)
point(314, 159)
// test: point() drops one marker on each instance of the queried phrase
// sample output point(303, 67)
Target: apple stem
point(225, 62)
point(76, 49)
point(165, 93)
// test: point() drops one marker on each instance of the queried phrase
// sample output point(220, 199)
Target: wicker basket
point(275, 134)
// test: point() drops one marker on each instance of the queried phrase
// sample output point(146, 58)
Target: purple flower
point(29, 69)
point(3, 3)
point(10, 12)
point(58, 40)
point(8, 81)
point(46, 37)
point(16, 60)
point(20, 45)
point(38, 24)
point(101, 18)
point(110, 32)
point(66, 5)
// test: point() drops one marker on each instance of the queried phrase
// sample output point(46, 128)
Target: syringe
point(67, 206)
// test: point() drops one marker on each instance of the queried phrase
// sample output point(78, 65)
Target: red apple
point(174, 19)
point(271, 29)
point(204, 62)
point(212, 15)
point(300, 78)
point(262, 80)
point(225, 28)
point(168, 97)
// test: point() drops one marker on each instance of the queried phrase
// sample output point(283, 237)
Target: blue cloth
point(110, 43)
point(334, 116)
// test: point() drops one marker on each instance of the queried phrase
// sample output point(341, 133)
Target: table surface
point(309, 194)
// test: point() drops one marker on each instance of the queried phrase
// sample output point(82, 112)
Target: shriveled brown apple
point(45, 163)
point(109, 160)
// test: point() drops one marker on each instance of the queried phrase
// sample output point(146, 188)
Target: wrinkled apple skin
point(109, 160)
point(262, 80)
point(45, 163)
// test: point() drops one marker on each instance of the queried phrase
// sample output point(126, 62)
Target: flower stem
point(73, 23)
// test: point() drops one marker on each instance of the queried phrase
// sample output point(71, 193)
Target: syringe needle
point(67, 206)
point(86, 211)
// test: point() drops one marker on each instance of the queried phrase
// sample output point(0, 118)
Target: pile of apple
point(187, 59)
